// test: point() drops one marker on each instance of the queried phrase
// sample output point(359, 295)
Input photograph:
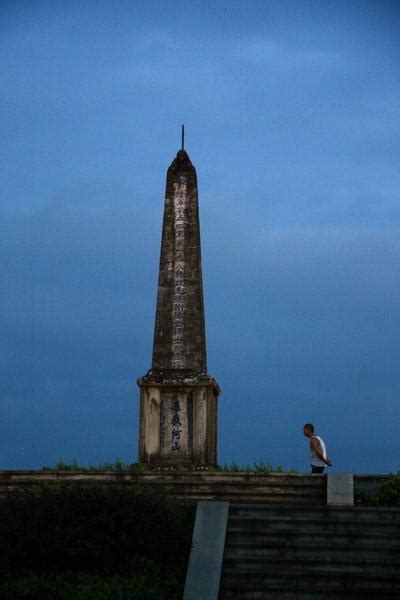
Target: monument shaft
point(178, 400)
point(179, 338)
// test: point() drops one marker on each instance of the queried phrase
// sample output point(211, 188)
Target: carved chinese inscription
point(178, 302)
point(174, 425)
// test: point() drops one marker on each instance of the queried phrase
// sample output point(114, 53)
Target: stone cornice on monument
point(178, 378)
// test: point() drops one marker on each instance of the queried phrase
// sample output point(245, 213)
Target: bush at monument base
point(84, 539)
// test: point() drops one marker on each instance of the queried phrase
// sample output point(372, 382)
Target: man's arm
point(315, 445)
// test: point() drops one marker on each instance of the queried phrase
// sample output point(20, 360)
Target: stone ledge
point(189, 486)
point(158, 475)
point(198, 485)
point(177, 378)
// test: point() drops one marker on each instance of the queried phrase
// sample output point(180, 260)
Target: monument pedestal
point(178, 419)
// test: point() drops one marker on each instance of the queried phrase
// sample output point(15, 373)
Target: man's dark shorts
point(317, 469)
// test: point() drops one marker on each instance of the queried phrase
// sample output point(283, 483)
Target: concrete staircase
point(300, 552)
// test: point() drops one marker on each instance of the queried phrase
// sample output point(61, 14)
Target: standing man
point(319, 457)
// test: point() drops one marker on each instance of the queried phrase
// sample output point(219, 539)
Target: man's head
point(308, 430)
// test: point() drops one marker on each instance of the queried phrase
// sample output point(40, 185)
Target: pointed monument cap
point(182, 161)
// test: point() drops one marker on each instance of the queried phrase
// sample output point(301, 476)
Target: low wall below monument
point(188, 485)
point(244, 487)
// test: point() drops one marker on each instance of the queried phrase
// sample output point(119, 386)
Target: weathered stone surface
point(207, 551)
point(178, 399)
point(187, 484)
point(179, 336)
point(311, 553)
point(178, 424)
point(340, 489)
point(178, 377)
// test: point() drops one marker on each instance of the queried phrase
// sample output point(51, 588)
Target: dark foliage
point(152, 584)
point(92, 529)
point(387, 494)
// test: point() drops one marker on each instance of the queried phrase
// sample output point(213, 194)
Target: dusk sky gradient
point(292, 115)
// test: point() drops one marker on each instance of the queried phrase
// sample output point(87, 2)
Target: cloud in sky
point(292, 123)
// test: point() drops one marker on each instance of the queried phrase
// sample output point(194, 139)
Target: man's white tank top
point(315, 460)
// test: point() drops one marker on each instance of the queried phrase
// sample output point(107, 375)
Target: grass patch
point(261, 467)
point(120, 467)
point(117, 467)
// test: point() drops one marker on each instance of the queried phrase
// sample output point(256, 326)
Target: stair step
point(284, 512)
point(292, 551)
point(310, 594)
point(319, 579)
point(293, 535)
point(286, 550)
point(327, 528)
point(309, 591)
point(297, 565)
point(237, 495)
point(248, 497)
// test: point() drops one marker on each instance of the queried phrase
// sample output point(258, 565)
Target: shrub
point(388, 493)
point(152, 584)
point(361, 497)
point(92, 528)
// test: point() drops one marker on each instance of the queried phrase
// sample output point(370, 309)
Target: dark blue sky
point(292, 113)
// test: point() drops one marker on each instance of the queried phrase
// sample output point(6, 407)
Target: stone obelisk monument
point(178, 399)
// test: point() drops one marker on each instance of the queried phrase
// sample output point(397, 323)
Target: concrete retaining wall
point(187, 485)
point(200, 485)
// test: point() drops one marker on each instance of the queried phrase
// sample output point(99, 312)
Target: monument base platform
point(178, 419)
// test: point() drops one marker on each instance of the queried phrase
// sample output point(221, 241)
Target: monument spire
point(179, 335)
point(178, 397)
